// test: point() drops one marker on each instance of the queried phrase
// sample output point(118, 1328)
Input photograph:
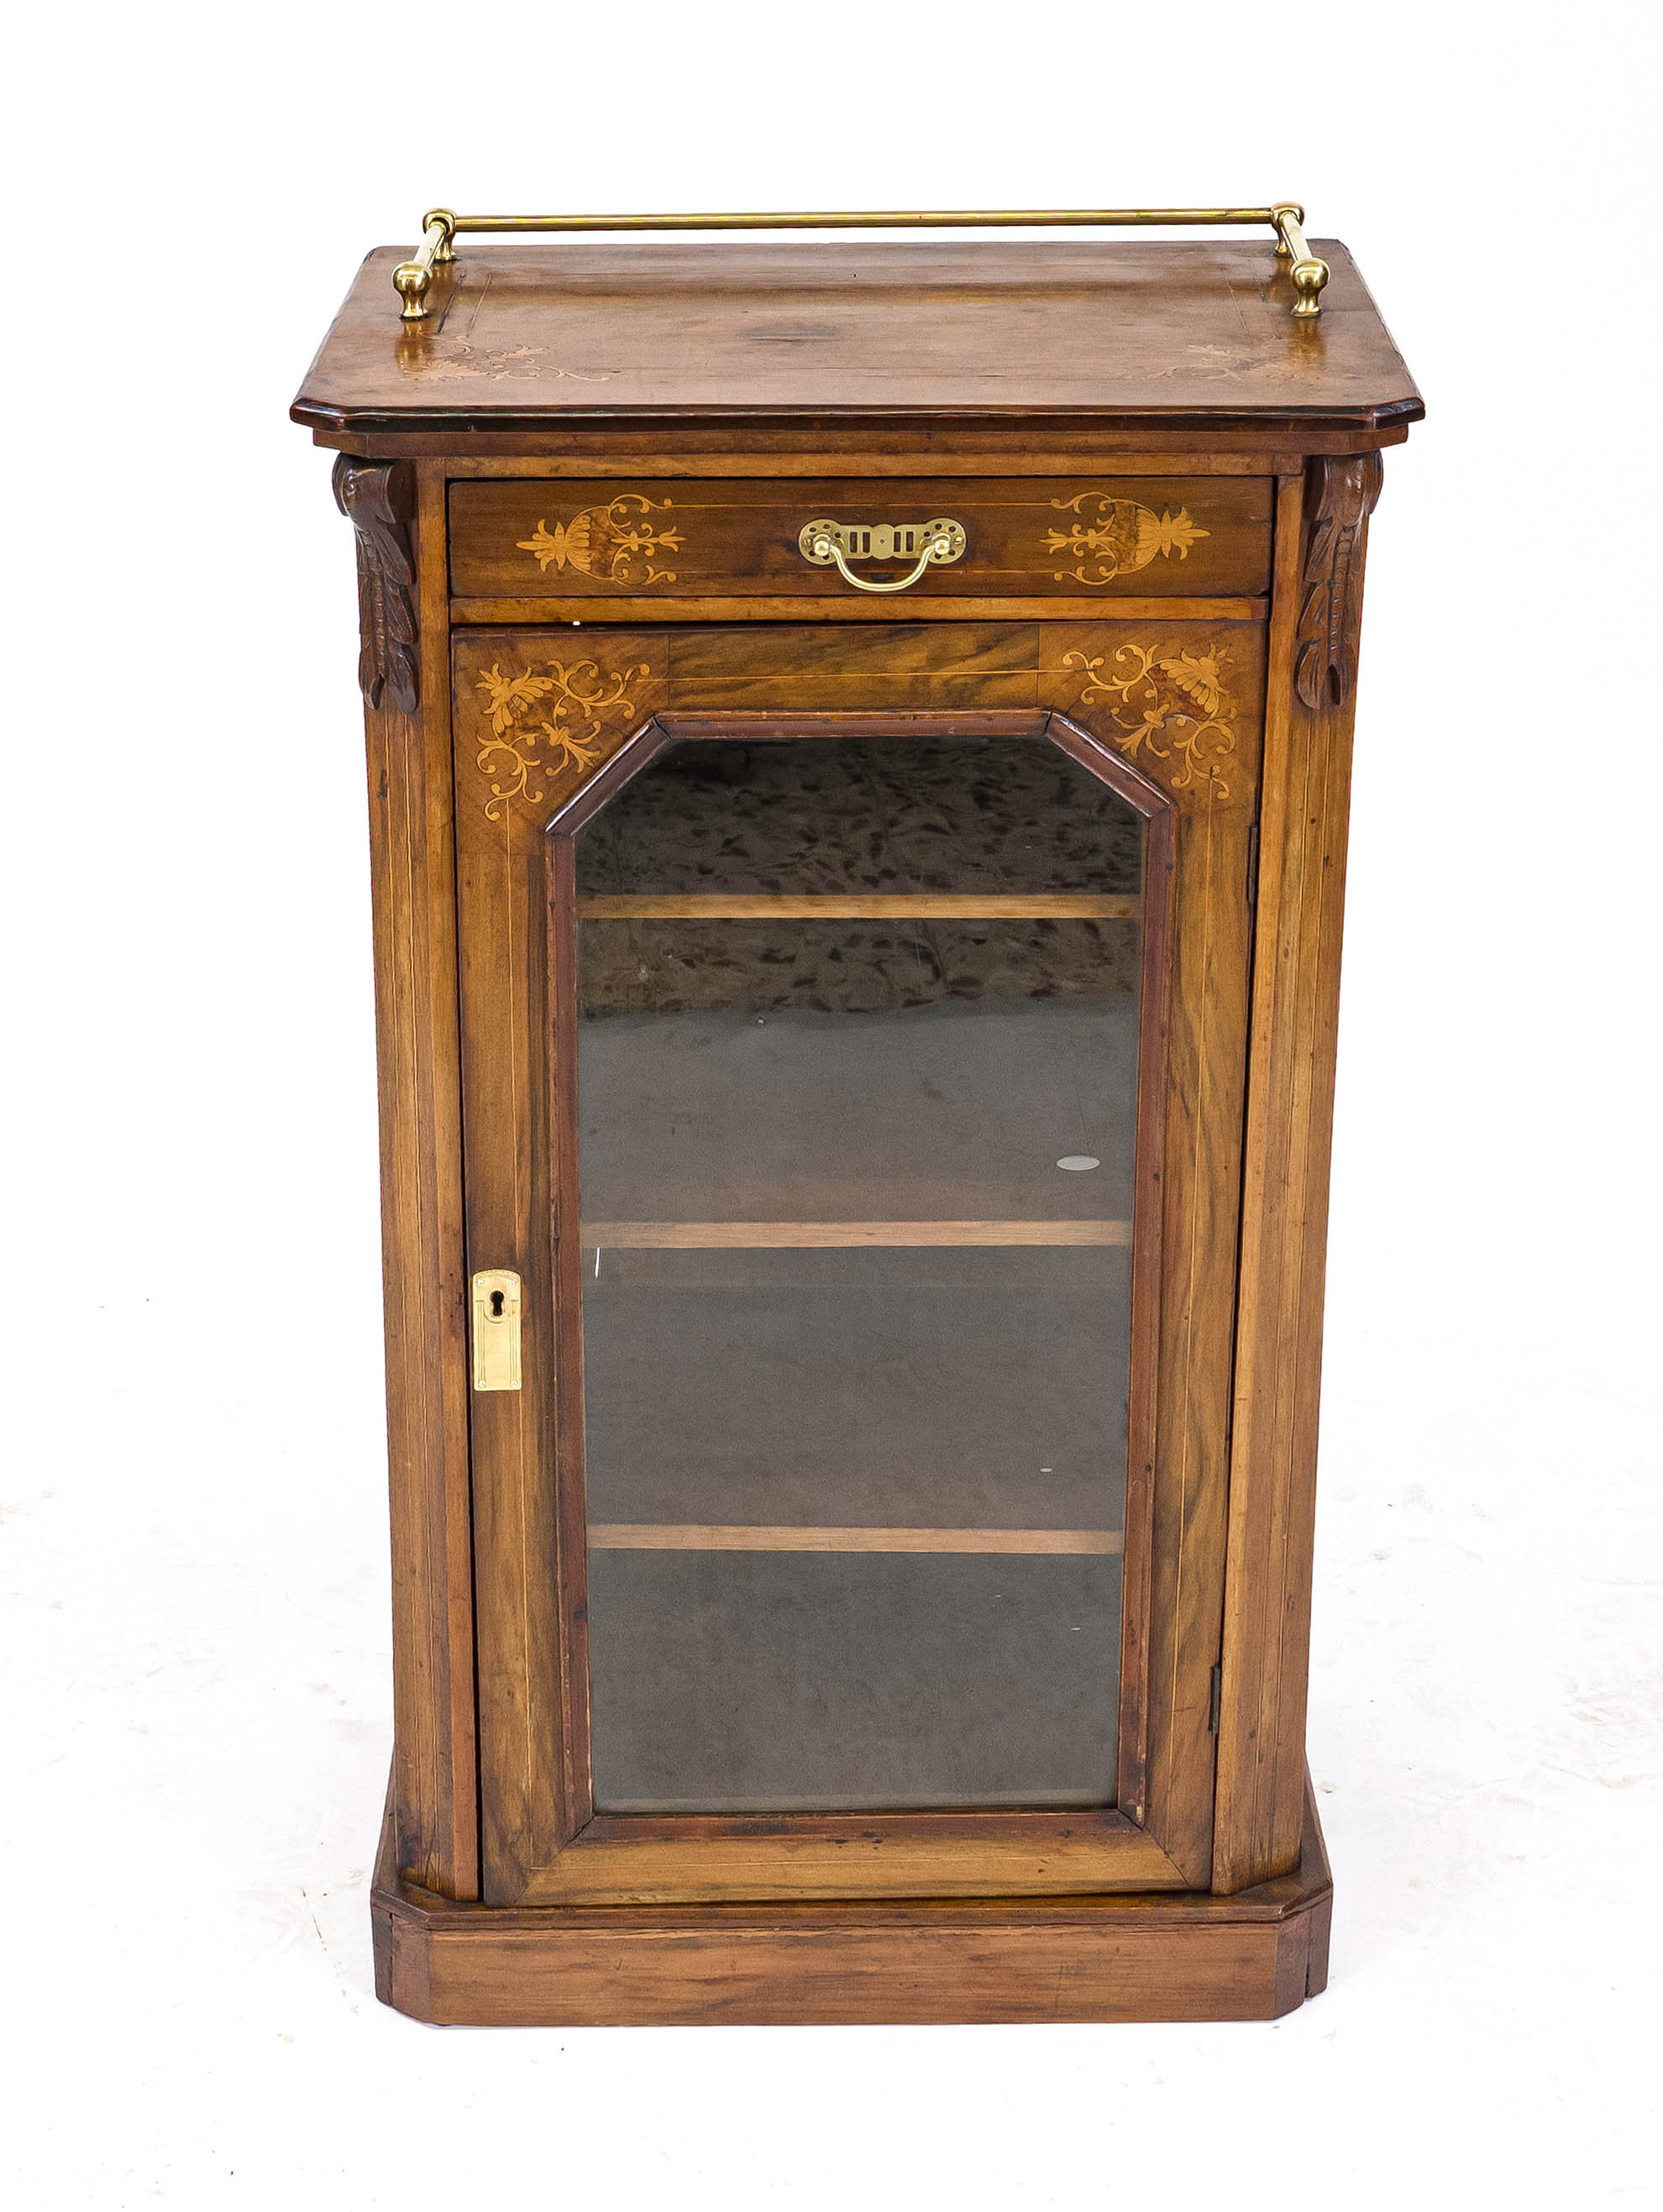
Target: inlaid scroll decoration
point(1183, 710)
point(1331, 617)
point(571, 698)
point(617, 542)
point(1113, 537)
point(378, 498)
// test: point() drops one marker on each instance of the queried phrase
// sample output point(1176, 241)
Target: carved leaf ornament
point(1332, 615)
point(378, 498)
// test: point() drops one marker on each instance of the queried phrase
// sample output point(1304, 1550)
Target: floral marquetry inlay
point(569, 700)
point(616, 542)
point(1110, 537)
point(1175, 706)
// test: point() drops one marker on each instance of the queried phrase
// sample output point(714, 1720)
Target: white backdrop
point(195, 1662)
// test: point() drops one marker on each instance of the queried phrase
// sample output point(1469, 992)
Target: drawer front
point(1058, 538)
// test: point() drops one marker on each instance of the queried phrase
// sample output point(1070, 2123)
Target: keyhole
point(496, 1306)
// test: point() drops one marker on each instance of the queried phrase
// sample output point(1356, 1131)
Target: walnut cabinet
point(858, 767)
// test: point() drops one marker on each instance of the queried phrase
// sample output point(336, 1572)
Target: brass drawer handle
point(940, 543)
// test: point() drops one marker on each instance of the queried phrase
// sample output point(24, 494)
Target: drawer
point(1056, 538)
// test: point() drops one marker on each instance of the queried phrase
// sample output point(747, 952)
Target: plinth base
point(1254, 1956)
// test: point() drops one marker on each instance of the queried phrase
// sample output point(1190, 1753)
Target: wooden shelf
point(779, 1235)
point(911, 905)
point(669, 1536)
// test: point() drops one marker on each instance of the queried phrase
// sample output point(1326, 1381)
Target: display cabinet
point(859, 745)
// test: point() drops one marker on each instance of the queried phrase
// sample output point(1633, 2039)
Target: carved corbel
point(1347, 488)
point(378, 498)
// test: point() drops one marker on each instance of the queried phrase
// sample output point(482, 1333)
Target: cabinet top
point(524, 339)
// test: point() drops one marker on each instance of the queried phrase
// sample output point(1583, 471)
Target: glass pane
point(856, 1192)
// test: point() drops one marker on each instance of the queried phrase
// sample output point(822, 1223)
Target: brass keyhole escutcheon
point(496, 1329)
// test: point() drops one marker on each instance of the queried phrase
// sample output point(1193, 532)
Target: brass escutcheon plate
point(496, 1301)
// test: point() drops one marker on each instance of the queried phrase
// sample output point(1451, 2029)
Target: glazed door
point(852, 1097)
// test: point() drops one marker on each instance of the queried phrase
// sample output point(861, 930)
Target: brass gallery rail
point(442, 226)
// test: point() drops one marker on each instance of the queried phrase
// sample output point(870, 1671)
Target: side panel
point(1321, 534)
point(434, 1815)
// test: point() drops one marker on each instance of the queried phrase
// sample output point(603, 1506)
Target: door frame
point(542, 1842)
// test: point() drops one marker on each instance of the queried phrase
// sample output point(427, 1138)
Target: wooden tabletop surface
point(1135, 331)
